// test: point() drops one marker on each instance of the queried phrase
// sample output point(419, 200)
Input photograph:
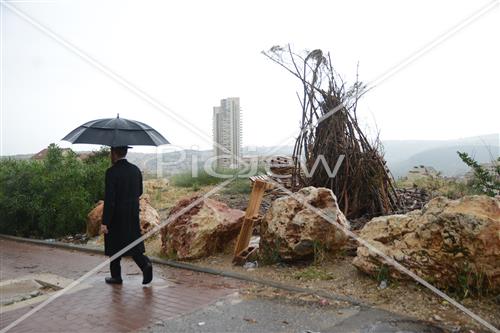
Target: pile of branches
point(329, 131)
point(413, 198)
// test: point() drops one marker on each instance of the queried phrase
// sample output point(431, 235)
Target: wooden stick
point(252, 211)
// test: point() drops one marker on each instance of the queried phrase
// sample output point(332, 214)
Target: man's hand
point(104, 229)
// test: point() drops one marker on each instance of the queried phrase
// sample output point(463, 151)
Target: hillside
point(445, 159)
point(402, 155)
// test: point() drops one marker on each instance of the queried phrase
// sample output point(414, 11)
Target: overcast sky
point(67, 62)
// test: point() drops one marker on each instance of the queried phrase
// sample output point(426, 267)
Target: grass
point(319, 253)
point(165, 197)
point(186, 179)
point(439, 186)
point(195, 183)
point(383, 274)
point(312, 274)
point(471, 282)
point(238, 186)
point(270, 255)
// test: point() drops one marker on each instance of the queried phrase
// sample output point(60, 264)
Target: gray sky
point(190, 54)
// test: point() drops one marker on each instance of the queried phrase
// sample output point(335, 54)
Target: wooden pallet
point(262, 178)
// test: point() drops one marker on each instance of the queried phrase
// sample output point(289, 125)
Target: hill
point(402, 155)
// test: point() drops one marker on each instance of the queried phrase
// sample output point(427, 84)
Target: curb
point(191, 267)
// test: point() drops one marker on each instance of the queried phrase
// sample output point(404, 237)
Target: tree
point(52, 197)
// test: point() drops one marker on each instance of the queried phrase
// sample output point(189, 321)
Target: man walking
point(120, 218)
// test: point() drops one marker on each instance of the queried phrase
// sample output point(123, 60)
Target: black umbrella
point(116, 132)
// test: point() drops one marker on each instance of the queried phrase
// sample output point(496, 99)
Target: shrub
point(438, 186)
point(52, 197)
point(485, 181)
point(186, 179)
point(240, 185)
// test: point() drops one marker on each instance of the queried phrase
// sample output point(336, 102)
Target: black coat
point(121, 208)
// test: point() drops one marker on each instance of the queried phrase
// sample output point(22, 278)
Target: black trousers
point(116, 270)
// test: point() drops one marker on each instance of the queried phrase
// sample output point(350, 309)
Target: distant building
point(227, 132)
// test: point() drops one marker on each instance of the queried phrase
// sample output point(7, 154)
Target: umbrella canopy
point(116, 132)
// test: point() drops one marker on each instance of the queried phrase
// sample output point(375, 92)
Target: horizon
point(171, 148)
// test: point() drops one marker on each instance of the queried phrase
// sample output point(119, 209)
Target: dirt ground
point(337, 275)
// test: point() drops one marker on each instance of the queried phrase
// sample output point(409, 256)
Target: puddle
point(18, 291)
point(402, 325)
point(30, 289)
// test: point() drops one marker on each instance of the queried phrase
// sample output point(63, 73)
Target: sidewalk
point(101, 307)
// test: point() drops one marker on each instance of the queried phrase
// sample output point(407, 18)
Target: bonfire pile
point(330, 132)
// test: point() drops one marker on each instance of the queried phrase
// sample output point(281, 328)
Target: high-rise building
point(227, 132)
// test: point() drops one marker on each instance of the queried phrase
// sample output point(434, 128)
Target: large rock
point(447, 243)
point(94, 219)
point(291, 231)
point(200, 231)
point(148, 216)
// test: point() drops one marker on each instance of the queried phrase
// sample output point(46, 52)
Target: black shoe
point(147, 273)
point(112, 280)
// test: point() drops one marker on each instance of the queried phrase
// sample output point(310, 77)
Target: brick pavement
point(102, 307)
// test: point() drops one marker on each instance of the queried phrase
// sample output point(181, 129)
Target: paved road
point(234, 314)
point(177, 301)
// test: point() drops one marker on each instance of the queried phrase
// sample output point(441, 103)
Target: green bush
point(52, 197)
point(239, 186)
point(485, 181)
point(203, 178)
point(186, 179)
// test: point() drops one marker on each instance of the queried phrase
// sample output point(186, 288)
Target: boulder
point(291, 231)
point(148, 216)
point(448, 242)
point(94, 219)
point(202, 230)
